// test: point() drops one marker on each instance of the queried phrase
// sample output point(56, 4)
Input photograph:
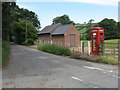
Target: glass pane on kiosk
point(94, 41)
point(101, 37)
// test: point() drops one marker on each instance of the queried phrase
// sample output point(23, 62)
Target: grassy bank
point(54, 49)
point(98, 59)
point(107, 60)
point(5, 51)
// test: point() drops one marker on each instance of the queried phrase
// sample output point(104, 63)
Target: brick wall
point(74, 31)
point(58, 40)
point(44, 38)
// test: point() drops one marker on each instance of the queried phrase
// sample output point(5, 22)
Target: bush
point(29, 42)
point(54, 49)
point(5, 51)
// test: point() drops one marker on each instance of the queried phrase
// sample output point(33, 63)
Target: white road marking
point(77, 79)
point(92, 68)
point(109, 71)
point(83, 82)
point(115, 76)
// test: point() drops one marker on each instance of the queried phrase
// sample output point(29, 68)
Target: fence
point(110, 48)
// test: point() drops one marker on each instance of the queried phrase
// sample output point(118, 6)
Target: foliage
point(12, 13)
point(54, 49)
point(7, 9)
point(5, 51)
point(24, 32)
point(110, 26)
point(28, 42)
point(63, 20)
point(13, 26)
point(112, 41)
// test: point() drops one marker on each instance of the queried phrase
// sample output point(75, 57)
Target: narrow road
point(29, 68)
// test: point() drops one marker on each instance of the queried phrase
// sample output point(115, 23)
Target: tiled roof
point(49, 29)
point(61, 29)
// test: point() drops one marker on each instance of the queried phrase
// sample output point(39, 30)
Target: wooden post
point(119, 50)
point(51, 42)
point(114, 47)
point(82, 47)
point(103, 48)
point(89, 48)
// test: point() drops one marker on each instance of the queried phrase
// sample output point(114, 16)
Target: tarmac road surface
point(30, 68)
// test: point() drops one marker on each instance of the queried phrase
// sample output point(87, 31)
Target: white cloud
point(22, 6)
point(99, 2)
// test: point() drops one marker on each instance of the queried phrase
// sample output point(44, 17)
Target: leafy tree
point(110, 26)
point(63, 20)
point(24, 14)
point(7, 9)
point(22, 28)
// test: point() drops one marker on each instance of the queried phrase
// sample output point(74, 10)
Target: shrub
point(29, 41)
point(54, 49)
point(5, 51)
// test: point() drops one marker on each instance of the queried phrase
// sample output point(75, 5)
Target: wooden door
point(72, 40)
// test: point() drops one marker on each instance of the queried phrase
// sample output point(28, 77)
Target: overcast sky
point(80, 11)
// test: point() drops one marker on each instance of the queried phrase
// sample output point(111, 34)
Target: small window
point(94, 36)
point(101, 35)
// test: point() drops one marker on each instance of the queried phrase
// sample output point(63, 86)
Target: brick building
point(62, 35)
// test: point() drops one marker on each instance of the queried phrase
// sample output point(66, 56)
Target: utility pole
point(26, 29)
point(26, 32)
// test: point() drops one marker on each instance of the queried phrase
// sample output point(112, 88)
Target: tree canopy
point(23, 28)
point(13, 16)
point(111, 28)
point(63, 20)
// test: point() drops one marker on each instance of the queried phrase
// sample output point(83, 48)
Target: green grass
point(82, 28)
point(107, 61)
point(112, 41)
point(54, 49)
point(5, 51)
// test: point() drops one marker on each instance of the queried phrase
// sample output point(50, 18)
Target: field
point(82, 28)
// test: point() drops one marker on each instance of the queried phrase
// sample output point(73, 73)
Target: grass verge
point(107, 60)
point(54, 49)
point(5, 51)
point(98, 59)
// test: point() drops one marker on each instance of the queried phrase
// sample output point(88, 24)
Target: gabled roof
point(61, 29)
point(49, 29)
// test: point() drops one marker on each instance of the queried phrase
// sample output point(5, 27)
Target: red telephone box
point(97, 39)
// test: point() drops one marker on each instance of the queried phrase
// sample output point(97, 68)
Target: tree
point(20, 31)
point(7, 9)
point(110, 26)
point(63, 20)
